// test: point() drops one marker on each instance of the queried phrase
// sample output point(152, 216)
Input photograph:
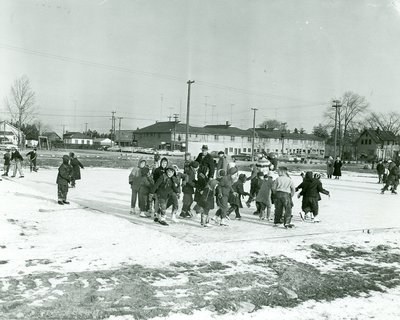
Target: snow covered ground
point(96, 232)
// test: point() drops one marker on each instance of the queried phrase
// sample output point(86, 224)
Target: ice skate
point(65, 202)
point(143, 214)
point(316, 220)
point(223, 223)
point(289, 226)
point(173, 217)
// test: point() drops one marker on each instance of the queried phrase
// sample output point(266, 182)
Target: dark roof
point(379, 135)
point(76, 135)
point(51, 134)
point(165, 127)
point(276, 134)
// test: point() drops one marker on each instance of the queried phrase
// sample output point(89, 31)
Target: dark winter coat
point(380, 168)
point(265, 192)
point(7, 159)
point(158, 172)
point(76, 168)
point(329, 167)
point(337, 165)
point(165, 187)
point(393, 176)
point(64, 174)
point(32, 154)
point(146, 181)
point(255, 185)
point(207, 199)
point(312, 189)
point(225, 186)
point(16, 156)
point(239, 189)
point(200, 185)
point(190, 181)
point(206, 164)
point(222, 164)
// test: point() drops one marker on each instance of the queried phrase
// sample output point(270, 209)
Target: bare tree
point(384, 121)
point(271, 124)
point(352, 107)
point(21, 102)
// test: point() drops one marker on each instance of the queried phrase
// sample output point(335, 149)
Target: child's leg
point(134, 198)
point(268, 206)
point(237, 211)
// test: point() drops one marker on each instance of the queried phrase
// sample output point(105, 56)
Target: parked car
point(241, 157)
point(114, 148)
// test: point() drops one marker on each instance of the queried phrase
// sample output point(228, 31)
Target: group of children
point(159, 186)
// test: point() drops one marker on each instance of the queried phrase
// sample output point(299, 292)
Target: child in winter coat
point(164, 187)
point(255, 186)
point(17, 159)
point(311, 188)
point(207, 201)
point(263, 199)
point(134, 181)
point(235, 200)
point(174, 197)
point(224, 190)
point(188, 188)
point(63, 178)
point(7, 162)
point(76, 169)
point(145, 185)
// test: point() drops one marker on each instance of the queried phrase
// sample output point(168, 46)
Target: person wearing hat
point(157, 172)
point(134, 180)
point(164, 188)
point(329, 167)
point(222, 162)
point(311, 188)
point(263, 198)
point(235, 196)
point(224, 189)
point(145, 185)
point(255, 185)
point(206, 163)
point(380, 169)
point(32, 159)
point(283, 190)
point(63, 179)
point(7, 162)
point(188, 188)
point(17, 159)
point(337, 168)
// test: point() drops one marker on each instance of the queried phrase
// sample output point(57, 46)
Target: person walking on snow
point(235, 196)
point(329, 167)
point(32, 159)
point(17, 159)
point(222, 162)
point(380, 169)
point(263, 198)
point(206, 163)
point(76, 169)
point(188, 188)
point(134, 181)
point(206, 202)
point(283, 190)
point(145, 185)
point(223, 191)
point(63, 179)
point(163, 188)
point(7, 162)
point(311, 188)
point(392, 179)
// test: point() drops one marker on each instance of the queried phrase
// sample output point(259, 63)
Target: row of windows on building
point(290, 151)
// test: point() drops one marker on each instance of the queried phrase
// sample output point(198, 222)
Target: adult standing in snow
point(392, 179)
point(329, 167)
point(32, 159)
point(17, 159)
point(337, 168)
point(63, 178)
point(206, 162)
point(76, 169)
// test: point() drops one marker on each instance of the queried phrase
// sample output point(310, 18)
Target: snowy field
point(97, 233)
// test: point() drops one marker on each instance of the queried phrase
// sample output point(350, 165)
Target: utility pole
point(205, 110)
point(189, 83)
point(86, 127)
point(336, 105)
point(119, 131)
point(112, 126)
point(175, 122)
point(254, 133)
point(231, 111)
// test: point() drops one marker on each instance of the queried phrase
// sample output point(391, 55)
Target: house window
point(362, 141)
point(76, 141)
point(82, 141)
point(87, 142)
point(369, 141)
point(230, 149)
point(232, 138)
point(249, 139)
point(216, 137)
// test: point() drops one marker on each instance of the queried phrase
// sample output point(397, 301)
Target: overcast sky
point(288, 58)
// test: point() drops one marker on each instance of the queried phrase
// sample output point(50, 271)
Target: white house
point(10, 133)
point(77, 138)
point(102, 141)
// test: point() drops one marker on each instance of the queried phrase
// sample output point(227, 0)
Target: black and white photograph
point(199, 159)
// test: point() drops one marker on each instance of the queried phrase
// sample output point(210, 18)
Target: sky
point(286, 58)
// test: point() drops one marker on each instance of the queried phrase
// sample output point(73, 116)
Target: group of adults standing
point(334, 167)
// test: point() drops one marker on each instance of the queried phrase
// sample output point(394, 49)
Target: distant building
point(77, 139)
point(9, 133)
point(125, 138)
point(171, 135)
point(377, 144)
point(52, 137)
point(102, 141)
